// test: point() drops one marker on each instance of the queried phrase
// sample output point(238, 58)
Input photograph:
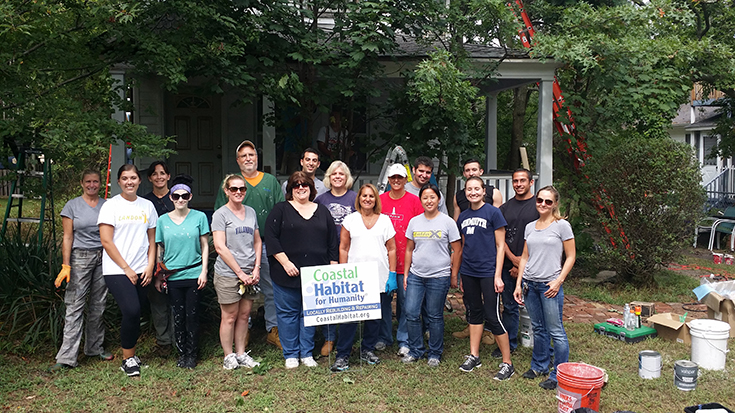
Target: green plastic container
point(620, 333)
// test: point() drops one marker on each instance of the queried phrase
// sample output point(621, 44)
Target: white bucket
point(649, 364)
point(526, 334)
point(709, 343)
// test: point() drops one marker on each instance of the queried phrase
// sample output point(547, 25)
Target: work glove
point(63, 275)
point(391, 285)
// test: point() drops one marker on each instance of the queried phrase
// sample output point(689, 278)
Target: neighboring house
point(694, 125)
point(208, 128)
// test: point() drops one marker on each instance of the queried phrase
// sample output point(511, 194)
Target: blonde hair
point(555, 210)
point(378, 205)
point(228, 178)
point(349, 180)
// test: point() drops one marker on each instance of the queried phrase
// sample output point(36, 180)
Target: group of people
point(264, 233)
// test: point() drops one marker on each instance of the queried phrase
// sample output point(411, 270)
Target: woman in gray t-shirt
point(81, 252)
point(541, 284)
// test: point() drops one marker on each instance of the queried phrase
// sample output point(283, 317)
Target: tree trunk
point(520, 101)
point(451, 190)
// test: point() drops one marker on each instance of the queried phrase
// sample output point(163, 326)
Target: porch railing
point(720, 190)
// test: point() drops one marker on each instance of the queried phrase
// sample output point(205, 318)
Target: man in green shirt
point(262, 194)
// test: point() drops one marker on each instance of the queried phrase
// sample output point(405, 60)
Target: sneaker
point(506, 372)
point(470, 363)
point(341, 364)
point(291, 363)
point(60, 366)
point(403, 351)
point(532, 374)
point(230, 362)
point(548, 384)
point(380, 346)
point(182, 362)
point(488, 338)
point(190, 362)
point(131, 367)
point(140, 363)
point(106, 356)
point(273, 338)
point(369, 357)
point(244, 360)
point(433, 363)
point(498, 354)
point(308, 362)
point(327, 348)
point(408, 359)
point(462, 334)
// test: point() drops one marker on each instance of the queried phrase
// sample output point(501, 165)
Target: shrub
point(653, 187)
point(31, 310)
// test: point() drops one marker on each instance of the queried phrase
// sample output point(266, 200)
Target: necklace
point(370, 220)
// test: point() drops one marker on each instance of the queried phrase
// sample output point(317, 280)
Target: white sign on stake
point(340, 293)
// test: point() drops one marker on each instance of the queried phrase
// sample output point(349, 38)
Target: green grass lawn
point(98, 386)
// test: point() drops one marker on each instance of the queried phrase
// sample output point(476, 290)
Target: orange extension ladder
point(576, 145)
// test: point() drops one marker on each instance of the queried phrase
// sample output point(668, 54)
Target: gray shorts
point(227, 290)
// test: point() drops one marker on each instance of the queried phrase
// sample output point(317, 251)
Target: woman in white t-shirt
point(367, 235)
point(127, 226)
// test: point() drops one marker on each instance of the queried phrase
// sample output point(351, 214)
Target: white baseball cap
point(397, 169)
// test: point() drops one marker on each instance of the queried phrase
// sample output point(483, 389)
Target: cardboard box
point(647, 309)
point(721, 308)
point(669, 327)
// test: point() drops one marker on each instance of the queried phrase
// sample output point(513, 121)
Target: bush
point(31, 310)
point(653, 187)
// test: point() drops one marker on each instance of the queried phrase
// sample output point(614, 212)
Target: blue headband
point(181, 186)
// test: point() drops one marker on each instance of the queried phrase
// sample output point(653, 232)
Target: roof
point(409, 47)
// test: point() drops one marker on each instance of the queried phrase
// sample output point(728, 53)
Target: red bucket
point(579, 386)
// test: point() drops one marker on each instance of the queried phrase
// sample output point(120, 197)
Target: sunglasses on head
point(301, 185)
point(238, 189)
point(185, 196)
point(548, 202)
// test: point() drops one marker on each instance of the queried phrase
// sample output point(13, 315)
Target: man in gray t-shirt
point(422, 169)
point(239, 234)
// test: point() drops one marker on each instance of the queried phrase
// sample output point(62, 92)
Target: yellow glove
point(63, 275)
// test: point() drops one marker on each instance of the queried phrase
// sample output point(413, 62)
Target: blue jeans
point(370, 332)
point(427, 294)
point(297, 340)
point(385, 333)
point(511, 318)
point(546, 320)
point(402, 330)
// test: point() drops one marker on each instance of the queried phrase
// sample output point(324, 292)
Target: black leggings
point(482, 303)
point(183, 296)
point(130, 298)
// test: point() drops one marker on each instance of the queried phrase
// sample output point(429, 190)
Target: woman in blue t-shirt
point(182, 238)
point(540, 286)
point(483, 236)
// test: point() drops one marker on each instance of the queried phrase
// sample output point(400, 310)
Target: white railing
point(721, 189)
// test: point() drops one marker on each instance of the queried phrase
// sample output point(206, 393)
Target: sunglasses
point(234, 189)
point(185, 196)
point(301, 185)
point(548, 202)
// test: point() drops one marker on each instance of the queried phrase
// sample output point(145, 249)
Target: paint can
point(649, 364)
point(526, 333)
point(728, 259)
point(717, 257)
point(709, 343)
point(685, 375)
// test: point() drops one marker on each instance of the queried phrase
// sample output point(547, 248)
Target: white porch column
point(269, 138)
point(545, 135)
point(118, 148)
point(491, 132)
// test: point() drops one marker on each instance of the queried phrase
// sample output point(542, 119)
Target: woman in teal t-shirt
point(182, 236)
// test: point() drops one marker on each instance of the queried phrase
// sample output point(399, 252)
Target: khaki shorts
point(227, 290)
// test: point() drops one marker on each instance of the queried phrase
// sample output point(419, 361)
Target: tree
point(57, 92)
